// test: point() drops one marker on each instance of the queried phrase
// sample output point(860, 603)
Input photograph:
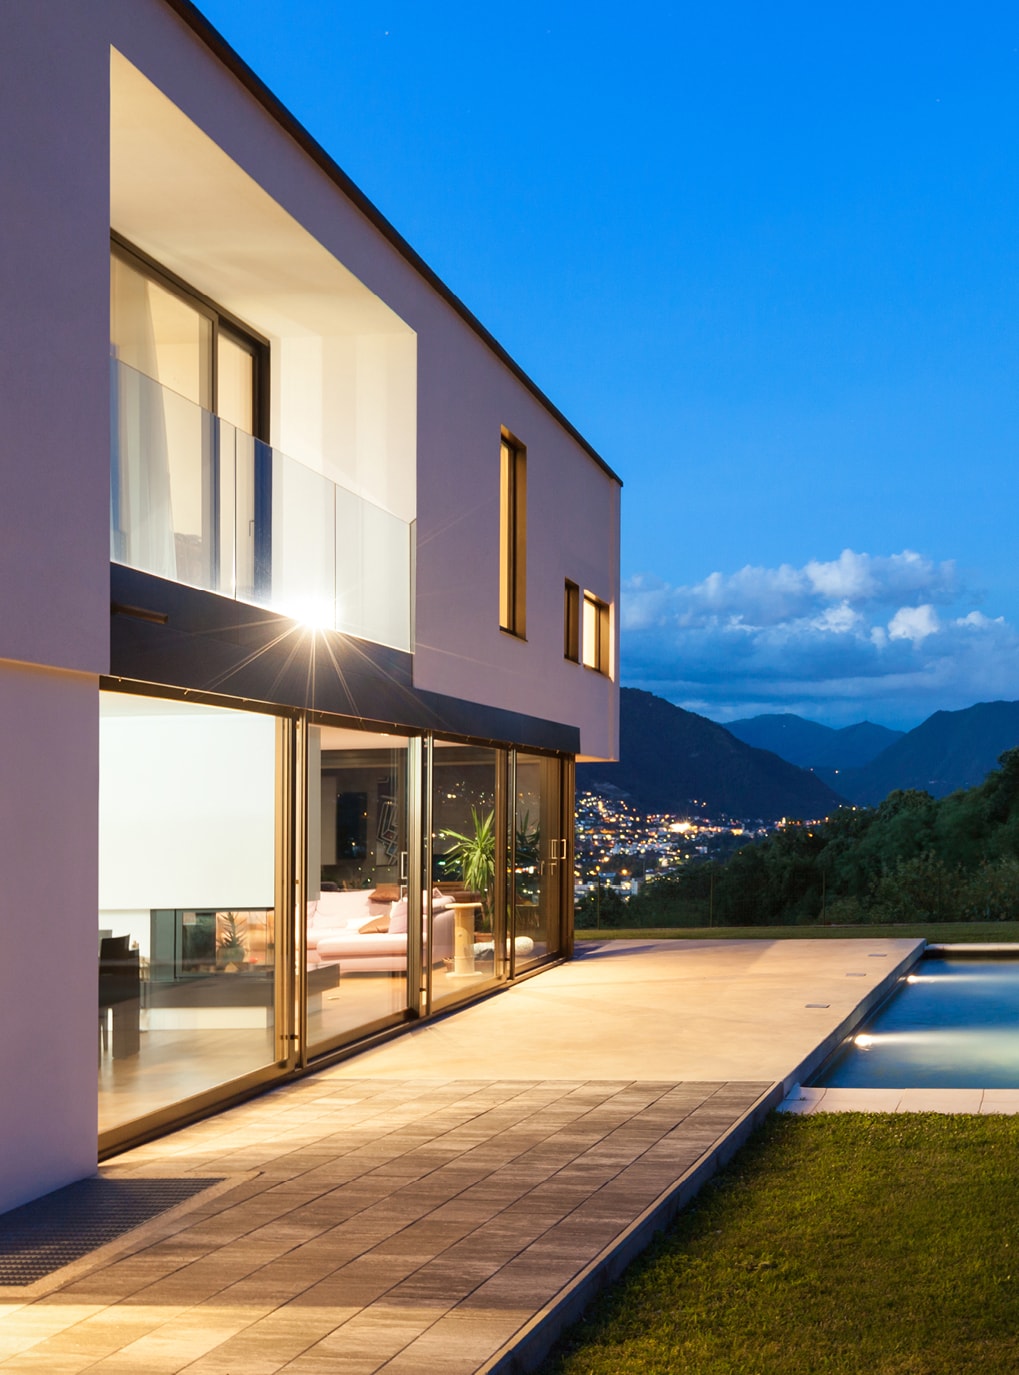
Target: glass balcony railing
point(196, 500)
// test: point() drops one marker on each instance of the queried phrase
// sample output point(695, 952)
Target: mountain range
point(813, 746)
point(671, 760)
point(950, 750)
point(766, 767)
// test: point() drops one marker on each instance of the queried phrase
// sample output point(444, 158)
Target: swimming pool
point(953, 1023)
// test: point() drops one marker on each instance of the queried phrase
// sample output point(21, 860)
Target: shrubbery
point(910, 859)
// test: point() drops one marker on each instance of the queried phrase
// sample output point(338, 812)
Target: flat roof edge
point(214, 40)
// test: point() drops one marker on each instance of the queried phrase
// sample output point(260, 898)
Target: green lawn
point(935, 932)
point(848, 1244)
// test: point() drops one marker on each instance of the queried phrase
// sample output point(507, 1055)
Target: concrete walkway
point(447, 1202)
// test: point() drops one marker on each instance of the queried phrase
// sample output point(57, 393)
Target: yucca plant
point(475, 853)
point(231, 947)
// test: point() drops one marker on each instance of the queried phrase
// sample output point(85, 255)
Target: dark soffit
point(165, 634)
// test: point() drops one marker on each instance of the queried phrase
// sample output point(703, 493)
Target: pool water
point(954, 1023)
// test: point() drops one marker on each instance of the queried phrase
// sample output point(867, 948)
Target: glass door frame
point(196, 1106)
point(304, 1056)
point(501, 813)
point(557, 851)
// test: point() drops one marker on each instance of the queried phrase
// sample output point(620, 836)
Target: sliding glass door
point(359, 924)
point(421, 872)
point(189, 903)
point(538, 846)
point(466, 947)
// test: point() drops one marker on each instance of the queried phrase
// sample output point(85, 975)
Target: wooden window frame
point(571, 622)
point(512, 536)
point(596, 655)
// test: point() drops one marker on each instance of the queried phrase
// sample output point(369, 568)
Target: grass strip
point(837, 1243)
point(964, 932)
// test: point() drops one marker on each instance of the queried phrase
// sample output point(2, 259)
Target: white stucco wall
point(54, 580)
point(54, 309)
point(49, 743)
point(465, 395)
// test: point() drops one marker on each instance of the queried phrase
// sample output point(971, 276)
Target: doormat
point(62, 1227)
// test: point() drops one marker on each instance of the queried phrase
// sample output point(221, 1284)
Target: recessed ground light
point(817, 1004)
point(877, 955)
point(856, 974)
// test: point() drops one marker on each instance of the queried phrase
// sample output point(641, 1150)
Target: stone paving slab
point(436, 1205)
point(442, 1218)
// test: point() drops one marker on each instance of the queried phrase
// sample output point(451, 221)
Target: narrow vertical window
point(595, 633)
point(512, 536)
point(571, 622)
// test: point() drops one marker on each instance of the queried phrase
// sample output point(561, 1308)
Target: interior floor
point(172, 1065)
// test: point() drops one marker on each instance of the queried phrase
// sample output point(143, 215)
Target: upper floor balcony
point(264, 397)
point(197, 500)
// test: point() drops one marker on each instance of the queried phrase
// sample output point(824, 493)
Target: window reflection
point(468, 865)
point(357, 912)
point(187, 923)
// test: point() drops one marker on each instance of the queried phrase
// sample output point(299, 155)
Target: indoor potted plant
point(475, 853)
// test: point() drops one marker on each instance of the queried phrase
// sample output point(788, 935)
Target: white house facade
point(308, 604)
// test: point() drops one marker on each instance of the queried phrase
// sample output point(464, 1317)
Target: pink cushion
point(398, 918)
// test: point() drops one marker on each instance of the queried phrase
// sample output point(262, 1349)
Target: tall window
point(189, 811)
point(184, 342)
point(596, 633)
point(189, 388)
point(571, 622)
point(513, 536)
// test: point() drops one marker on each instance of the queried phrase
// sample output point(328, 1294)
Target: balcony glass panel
point(303, 543)
point(196, 500)
point(373, 571)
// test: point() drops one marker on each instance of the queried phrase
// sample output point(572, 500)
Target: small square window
point(595, 634)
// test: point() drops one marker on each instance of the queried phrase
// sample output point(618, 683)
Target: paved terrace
point(447, 1201)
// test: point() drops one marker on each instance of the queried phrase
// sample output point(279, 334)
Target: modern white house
point(308, 604)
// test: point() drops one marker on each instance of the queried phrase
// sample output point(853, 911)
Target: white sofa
point(336, 934)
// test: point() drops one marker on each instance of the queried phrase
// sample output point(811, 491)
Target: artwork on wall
point(387, 829)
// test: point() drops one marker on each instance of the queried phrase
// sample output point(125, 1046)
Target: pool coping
point(804, 1100)
point(1006, 950)
point(827, 1047)
point(982, 1102)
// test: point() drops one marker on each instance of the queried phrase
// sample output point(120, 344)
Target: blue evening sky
point(766, 258)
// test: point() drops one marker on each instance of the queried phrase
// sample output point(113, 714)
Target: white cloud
point(862, 579)
point(840, 620)
point(776, 596)
point(856, 636)
point(913, 623)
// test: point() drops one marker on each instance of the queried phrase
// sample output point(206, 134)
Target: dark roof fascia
point(166, 635)
point(231, 59)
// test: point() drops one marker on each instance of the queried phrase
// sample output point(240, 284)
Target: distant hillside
point(950, 750)
point(669, 757)
point(811, 745)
